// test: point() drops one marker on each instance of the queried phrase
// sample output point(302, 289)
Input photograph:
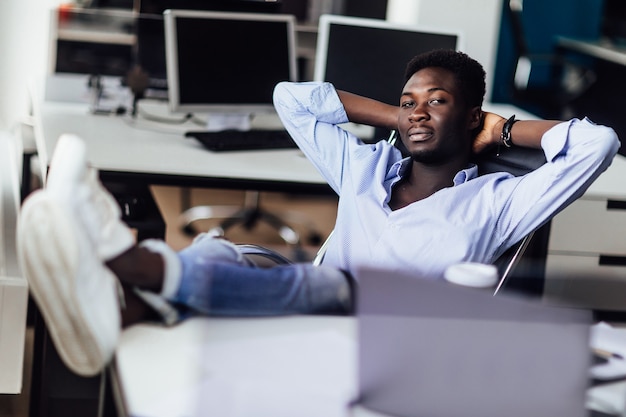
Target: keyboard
point(249, 140)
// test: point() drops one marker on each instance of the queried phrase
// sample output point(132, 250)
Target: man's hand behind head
point(489, 134)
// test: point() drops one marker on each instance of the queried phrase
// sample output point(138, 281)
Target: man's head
point(469, 74)
point(440, 107)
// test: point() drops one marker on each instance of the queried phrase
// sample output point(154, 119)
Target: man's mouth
point(419, 134)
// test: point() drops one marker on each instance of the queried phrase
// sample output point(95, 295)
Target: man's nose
point(419, 113)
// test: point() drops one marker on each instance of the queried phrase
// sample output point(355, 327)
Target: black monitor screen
point(227, 61)
point(150, 52)
point(369, 56)
point(150, 48)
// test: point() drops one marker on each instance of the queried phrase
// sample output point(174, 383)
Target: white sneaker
point(77, 188)
point(76, 294)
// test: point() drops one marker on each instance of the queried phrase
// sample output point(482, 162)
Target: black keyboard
point(249, 140)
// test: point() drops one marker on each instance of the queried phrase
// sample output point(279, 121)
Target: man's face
point(433, 121)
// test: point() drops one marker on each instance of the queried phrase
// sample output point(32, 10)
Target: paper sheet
point(607, 338)
point(224, 121)
point(609, 398)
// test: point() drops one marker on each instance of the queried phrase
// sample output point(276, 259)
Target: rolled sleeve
point(295, 101)
point(581, 136)
point(311, 113)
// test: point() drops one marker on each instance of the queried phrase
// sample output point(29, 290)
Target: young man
point(419, 214)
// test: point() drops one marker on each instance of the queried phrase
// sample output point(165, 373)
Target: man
point(421, 213)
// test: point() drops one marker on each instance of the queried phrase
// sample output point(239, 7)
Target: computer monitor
point(221, 62)
point(150, 32)
point(368, 56)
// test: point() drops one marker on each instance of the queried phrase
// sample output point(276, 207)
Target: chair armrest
point(250, 251)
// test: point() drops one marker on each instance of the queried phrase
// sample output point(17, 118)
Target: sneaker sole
point(49, 255)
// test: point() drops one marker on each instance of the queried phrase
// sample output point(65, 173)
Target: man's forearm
point(528, 133)
point(525, 133)
point(368, 111)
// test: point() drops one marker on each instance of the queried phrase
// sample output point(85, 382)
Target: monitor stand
point(228, 121)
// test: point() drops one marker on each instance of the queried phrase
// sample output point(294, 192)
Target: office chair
point(249, 215)
point(529, 281)
point(549, 83)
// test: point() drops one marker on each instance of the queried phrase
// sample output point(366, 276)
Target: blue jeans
point(217, 280)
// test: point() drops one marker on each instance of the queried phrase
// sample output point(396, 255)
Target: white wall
point(478, 20)
point(23, 54)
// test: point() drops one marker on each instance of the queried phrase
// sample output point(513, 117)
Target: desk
point(283, 366)
point(302, 365)
point(134, 150)
point(132, 154)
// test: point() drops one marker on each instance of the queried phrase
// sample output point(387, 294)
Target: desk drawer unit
point(596, 226)
point(586, 262)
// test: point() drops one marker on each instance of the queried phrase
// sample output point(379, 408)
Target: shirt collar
point(466, 174)
point(399, 168)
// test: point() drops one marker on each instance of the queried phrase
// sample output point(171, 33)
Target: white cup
point(472, 274)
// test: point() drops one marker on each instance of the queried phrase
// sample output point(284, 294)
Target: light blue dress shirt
point(475, 219)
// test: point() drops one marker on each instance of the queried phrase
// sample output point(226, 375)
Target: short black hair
point(469, 74)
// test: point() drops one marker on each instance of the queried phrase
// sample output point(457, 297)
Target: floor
point(311, 217)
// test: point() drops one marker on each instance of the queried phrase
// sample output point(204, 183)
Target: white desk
point(284, 366)
point(119, 145)
point(229, 367)
point(132, 154)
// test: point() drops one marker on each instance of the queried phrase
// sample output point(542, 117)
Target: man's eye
point(436, 101)
point(406, 104)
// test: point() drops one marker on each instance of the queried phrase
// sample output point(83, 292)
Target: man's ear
point(475, 120)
